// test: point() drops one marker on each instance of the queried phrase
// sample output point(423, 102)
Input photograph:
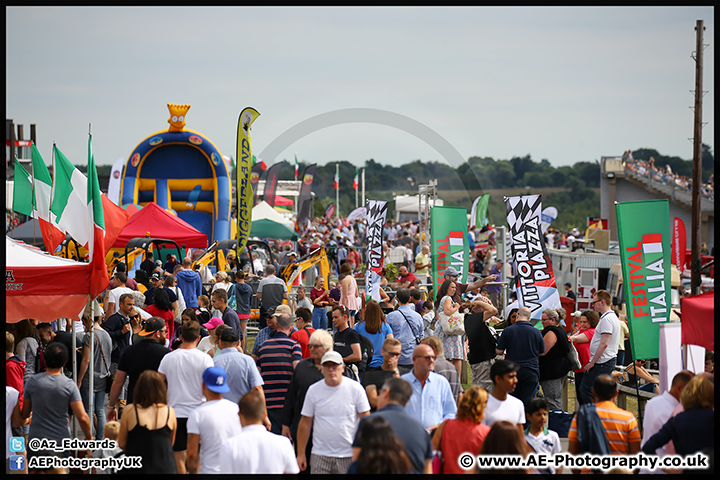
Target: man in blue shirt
point(432, 400)
point(242, 372)
point(523, 344)
point(407, 326)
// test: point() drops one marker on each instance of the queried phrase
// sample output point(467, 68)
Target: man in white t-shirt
point(501, 405)
point(332, 408)
point(211, 424)
point(183, 370)
point(112, 303)
point(255, 449)
point(603, 346)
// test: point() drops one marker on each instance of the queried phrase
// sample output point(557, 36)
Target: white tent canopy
point(263, 211)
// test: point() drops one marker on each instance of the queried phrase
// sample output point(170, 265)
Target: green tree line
point(574, 193)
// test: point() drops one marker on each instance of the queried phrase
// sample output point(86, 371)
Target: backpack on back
point(591, 431)
point(367, 350)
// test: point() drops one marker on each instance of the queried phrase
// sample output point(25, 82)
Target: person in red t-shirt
point(14, 367)
point(303, 321)
point(406, 278)
point(162, 308)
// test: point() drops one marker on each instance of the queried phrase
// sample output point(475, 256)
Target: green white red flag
point(96, 219)
point(23, 202)
point(42, 194)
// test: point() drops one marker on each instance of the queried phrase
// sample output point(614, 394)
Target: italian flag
point(31, 197)
point(22, 191)
point(70, 199)
point(296, 166)
point(356, 180)
point(96, 223)
point(263, 167)
point(69, 205)
point(42, 193)
point(337, 179)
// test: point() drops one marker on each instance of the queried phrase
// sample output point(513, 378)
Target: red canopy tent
point(156, 222)
point(698, 320)
point(41, 286)
point(281, 201)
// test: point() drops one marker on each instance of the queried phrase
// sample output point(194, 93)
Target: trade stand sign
point(644, 237)
point(448, 242)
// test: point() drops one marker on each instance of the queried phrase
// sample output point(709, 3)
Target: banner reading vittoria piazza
point(535, 281)
point(644, 237)
point(376, 213)
point(448, 242)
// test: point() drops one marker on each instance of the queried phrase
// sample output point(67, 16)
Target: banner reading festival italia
point(376, 213)
point(243, 187)
point(644, 237)
point(535, 287)
point(448, 242)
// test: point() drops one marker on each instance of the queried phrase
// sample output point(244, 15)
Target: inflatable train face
point(185, 172)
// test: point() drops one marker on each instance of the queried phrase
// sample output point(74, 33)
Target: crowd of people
point(334, 383)
point(665, 175)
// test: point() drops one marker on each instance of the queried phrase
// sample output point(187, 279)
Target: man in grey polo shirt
point(270, 297)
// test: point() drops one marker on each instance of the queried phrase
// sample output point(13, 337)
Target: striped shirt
point(275, 360)
point(620, 427)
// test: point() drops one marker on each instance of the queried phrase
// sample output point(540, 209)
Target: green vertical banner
point(644, 237)
point(482, 210)
point(448, 243)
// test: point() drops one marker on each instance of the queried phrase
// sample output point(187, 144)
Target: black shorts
point(181, 435)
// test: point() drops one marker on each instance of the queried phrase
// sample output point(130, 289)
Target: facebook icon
point(17, 462)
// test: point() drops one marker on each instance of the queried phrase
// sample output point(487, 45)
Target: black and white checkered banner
point(535, 281)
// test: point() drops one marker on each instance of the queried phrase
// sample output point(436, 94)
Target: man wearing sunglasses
point(603, 346)
point(374, 378)
point(432, 400)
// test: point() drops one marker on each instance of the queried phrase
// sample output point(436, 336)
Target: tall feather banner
point(243, 187)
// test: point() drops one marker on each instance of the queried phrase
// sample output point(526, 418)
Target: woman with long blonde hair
point(465, 433)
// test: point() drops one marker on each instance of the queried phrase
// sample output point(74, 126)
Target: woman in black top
point(554, 364)
point(148, 426)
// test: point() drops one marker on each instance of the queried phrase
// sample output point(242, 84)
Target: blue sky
point(562, 84)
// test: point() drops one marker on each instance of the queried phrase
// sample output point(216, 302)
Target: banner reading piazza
point(536, 288)
point(376, 213)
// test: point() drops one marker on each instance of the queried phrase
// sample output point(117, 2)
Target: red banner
point(679, 242)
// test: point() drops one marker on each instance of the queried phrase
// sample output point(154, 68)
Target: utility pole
point(697, 162)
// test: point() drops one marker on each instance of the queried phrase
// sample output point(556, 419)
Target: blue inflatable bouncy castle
point(183, 171)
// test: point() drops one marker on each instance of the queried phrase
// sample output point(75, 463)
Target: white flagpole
point(363, 186)
point(337, 191)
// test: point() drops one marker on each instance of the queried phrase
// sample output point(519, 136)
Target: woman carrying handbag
point(451, 322)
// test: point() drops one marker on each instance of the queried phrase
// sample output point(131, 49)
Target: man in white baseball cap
point(333, 429)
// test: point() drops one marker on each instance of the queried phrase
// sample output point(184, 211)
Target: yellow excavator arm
point(132, 255)
point(293, 269)
point(208, 257)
